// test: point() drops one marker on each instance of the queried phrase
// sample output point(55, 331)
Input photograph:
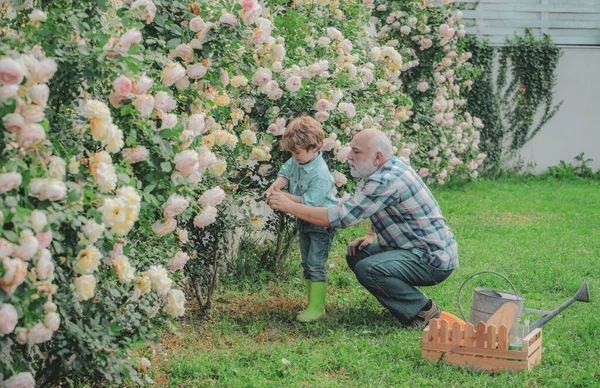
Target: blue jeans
point(391, 276)
point(315, 243)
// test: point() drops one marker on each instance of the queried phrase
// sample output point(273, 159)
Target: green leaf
point(166, 167)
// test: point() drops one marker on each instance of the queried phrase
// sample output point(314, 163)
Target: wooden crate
point(483, 347)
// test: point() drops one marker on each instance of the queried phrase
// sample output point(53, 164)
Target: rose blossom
point(187, 162)
point(11, 72)
point(33, 113)
point(185, 52)
point(135, 155)
point(38, 220)
point(197, 24)
point(175, 303)
point(212, 197)
point(164, 102)
point(175, 205)
point(321, 116)
point(142, 85)
point(131, 37)
point(178, 261)
point(261, 76)
point(44, 239)
point(52, 321)
point(28, 245)
point(10, 181)
point(123, 85)
point(172, 73)
point(45, 267)
point(14, 275)
point(323, 105)
point(160, 279)
point(207, 217)
point(196, 71)
point(38, 334)
point(148, 13)
point(144, 104)
point(8, 319)
point(39, 94)
point(8, 91)
point(423, 86)
point(294, 83)
point(164, 228)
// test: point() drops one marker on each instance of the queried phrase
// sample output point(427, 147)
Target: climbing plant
point(524, 85)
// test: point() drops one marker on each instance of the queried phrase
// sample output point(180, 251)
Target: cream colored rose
point(27, 247)
point(172, 73)
point(239, 80)
point(144, 103)
point(222, 100)
point(38, 334)
point(175, 303)
point(135, 155)
point(14, 122)
point(196, 71)
point(143, 284)
point(197, 24)
point(261, 154)
point(52, 321)
point(94, 109)
point(248, 137)
point(31, 135)
point(88, 260)
point(218, 168)
point(164, 102)
point(57, 168)
point(187, 162)
point(131, 37)
point(45, 267)
point(123, 269)
point(175, 205)
point(161, 283)
point(91, 231)
point(85, 286)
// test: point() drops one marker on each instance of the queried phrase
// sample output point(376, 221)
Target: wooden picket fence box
point(483, 347)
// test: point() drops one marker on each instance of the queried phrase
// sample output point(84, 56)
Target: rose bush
point(139, 134)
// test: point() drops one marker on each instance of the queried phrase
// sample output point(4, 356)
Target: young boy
point(310, 183)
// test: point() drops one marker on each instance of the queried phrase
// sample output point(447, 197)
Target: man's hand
point(279, 201)
point(359, 244)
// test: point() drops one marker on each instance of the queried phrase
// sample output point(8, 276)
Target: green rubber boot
point(307, 282)
point(316, 304)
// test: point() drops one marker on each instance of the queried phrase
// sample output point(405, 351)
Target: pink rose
point(31, 135)
point(144, 104)
point(8, 91)
point(294, 83)
point(184, 52)
point(261, 76)
point(33, 113)
point(163, 228)
point(196, 124)
point(405, 30)
point(321, 116)
point(423, 86)
point(45, 267)
point(20, 380)
point(323, 105)
point(178, 261)
point(423, 172)
point(142, 85)
point(11, 73)
point(212, 197)
point(131, 37)
point(248, 4)
point(175, 205)
point(196, 71)
point(207, 217)
point(8, 319)
point(14, 122)
point(123, 85)
point(116, 99)
point(197, 24)
point(164, 102)
point(144, 10)
point(228, 19)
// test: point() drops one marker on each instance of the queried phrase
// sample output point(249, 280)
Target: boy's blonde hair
point(303, 133)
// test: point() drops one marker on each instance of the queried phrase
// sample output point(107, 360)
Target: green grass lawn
point(544, 235)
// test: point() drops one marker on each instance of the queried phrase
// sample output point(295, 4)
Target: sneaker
point(421, 320)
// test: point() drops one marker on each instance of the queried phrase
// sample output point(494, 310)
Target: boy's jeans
point(391, 275)
point(315, 243)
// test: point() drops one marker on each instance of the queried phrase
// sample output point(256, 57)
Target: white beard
point(359, 170)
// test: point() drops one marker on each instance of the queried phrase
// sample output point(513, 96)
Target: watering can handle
point(472, 276)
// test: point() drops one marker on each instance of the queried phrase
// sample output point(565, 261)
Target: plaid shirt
point(404, 214)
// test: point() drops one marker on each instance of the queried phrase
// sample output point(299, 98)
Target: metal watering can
point(487, 301)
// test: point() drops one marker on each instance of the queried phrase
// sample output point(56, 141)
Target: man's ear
point(378, 158)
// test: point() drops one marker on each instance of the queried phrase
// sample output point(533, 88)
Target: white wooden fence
point(568, 22)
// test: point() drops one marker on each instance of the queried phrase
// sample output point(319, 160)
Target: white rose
point(85, 286)
point(187, 162)
point(39, 334)
point(212, 197)
point(52, 321)
point(131, 37)
point(207, 217)
point(39, 94)
point(163, 228)
point(27, 247)
point(178, 261)
point(160, 279)
point(8, 319)
point(20, 380)
point(11, 72)
point(172, 73)
point(38, 220)
point(175, 205)
point(175, 303)
point(144, 103)
point(31, 135)
point(45, 267)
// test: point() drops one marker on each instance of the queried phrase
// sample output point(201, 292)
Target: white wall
point(576, 126)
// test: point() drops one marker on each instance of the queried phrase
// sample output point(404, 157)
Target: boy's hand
point(279, 201)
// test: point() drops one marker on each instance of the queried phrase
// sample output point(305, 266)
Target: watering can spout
point(582, 295)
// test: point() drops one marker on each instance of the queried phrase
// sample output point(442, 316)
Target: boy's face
point(305, 156)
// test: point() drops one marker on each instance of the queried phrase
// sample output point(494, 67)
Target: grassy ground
point(543, 235)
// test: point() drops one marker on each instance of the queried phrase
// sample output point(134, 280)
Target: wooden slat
point(456, 333)
point(502, 338)
point(480, 335)
point(484, 363)
point(444, 331)
point(432, 332)
point(468, 336)
point(491, 337)
point(517, 23)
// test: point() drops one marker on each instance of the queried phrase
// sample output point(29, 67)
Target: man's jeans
point(391, 276)
point(315, 244)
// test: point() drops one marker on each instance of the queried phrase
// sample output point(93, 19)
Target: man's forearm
point(314, 215)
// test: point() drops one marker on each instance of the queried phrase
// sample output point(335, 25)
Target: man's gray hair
point(381, 143)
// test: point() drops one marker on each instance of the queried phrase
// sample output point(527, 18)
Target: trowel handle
point(472, 276)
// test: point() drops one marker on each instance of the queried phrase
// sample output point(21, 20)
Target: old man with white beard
point(409, 243)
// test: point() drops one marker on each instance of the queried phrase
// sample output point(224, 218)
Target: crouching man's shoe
point(421, 320)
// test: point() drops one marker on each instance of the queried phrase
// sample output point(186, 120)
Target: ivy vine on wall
point(523, 87)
